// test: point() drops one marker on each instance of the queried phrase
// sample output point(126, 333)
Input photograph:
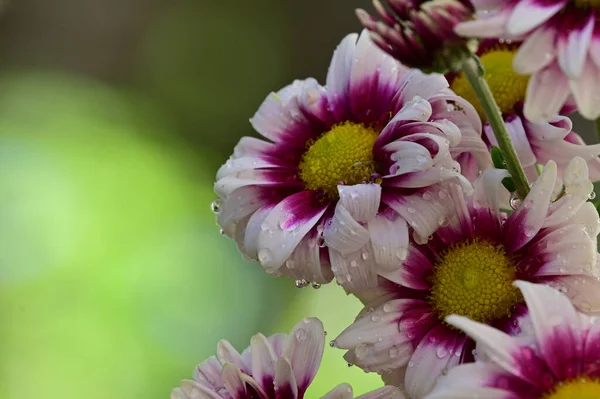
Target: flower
point(560, 49)
point(420, 33)
point(558, 359)
point(535, 143)
point(468, 267)
point(317, 195)
point(276, 367)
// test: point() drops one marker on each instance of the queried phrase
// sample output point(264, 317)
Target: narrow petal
point(228, 354)
point(585, 91)
point(233, 381)
point(389, 239)
point(556, 326)
point(208, 373)
point(573, 47)
point(361, 200)
point(342, 391)
point(407, 157)
point(416, 83)
point(241, 203)
point(193, 390)
point(286, 225)
point(567, 250)
point(257, 177)
point(519, 138)
point(417, 109)
point(529, 14)
point(355, 270)
point(536, 52)
point(386, 392)
point(344, 234)
point(486, 189)
point(338, 76)
point(414, 272)
point(253, 229)
point(582, 290)
point(263, 360)
point(285, 381)
point(304, 350)
point(547, 92)
point(464, 393)
point(493, 25)
point(524, 223)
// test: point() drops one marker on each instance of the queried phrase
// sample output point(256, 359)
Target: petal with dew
point(529, 14)
point(304, 350)
point(338, 76)
point(361, 200)
point(536, 52)
point(356, 270)
point(389, 239)
point(285, 381)
point(573, 47)
point(547, 92)
point(585, 91)
point(344, 234)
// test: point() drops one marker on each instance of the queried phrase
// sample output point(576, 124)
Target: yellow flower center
point(474, 279)
point(507, 86)
point(342, 155)
point(580, 388)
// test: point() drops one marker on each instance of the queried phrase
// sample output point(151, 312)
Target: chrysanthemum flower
point(318, 194)
point(535, 143)
point(558, 359)
point(419, 33)
point(468, 267)
point(561, 50)
point(277, 367)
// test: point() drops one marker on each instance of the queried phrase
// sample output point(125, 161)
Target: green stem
point(474, 73)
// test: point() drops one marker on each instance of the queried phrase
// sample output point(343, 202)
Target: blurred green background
point(114, 116)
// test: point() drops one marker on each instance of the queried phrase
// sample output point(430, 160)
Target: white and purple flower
point(277, 367)
point(346, 168)
point(467, 267)
point(558, 359)
point(560, 49)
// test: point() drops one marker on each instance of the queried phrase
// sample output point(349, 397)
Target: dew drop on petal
point(333, 344)
point(301, 283)
point(321, 241)
point(348, 364)
point(301, 334)
point(216, 205)
point(514, 201)
point(592, 196)
point(316, 285)
point(265, 256)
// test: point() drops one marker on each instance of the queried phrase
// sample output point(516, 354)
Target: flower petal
point(519, 138)
point(285, 381)
point(573, 46)
point(263, 360)
point(547, 92)
point(286, 224)
point(529, 14)
point(582, 290)
point(417, 109)
point(233, 381)
point(355, 270)
point(361, 200)
point(342, 391)
point(338, 76)
point(304, 350)
point(344, 234)
point(228, 354)
point(193, 390)
point(389, 239)
point(386, 392)
point(524, 223)
point(536, 52)
point(585, 92)
point(492, 25)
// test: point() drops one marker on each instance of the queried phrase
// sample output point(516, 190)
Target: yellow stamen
point(507, 86)
point(580, 388)
point(343, 154)
point(474, 279)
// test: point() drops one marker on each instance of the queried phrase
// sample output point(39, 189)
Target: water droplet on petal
point(216, 205)
point(441, 352)
point(301, 283)
point(265, 256)
point(301, 334)
point(333, 344)
point(592, 196)
point(316, 285)
point(321, 241)
point(515, 201)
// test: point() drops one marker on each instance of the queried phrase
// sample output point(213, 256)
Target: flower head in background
point(277, 367)
point(467, 268)
point(535, 143)
point(420, 33)
point(560, 49)
point(347, 168)
point(558, 359)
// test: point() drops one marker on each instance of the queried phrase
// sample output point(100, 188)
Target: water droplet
point(316, 285)
point(333, 344)
point(348, 364)
point(302, 283)
point(353, 263)
point(324, 333)
point(290, 263)
point(375, 318)
point(441, 352)
point(321, 241)
point(592, 196)
point(529, 232)
point(515, 201)
point(216, 205)
point(401, 253)
point(301, 334)
point(443, 222)
point(222, 232)
point(427, 196)
point(410, 210)
point(265, 256)
point(394, 352)
point(365, 255)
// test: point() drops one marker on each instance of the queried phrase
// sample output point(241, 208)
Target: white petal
point(472, 393)
point(487, 189)
point(285, 381)
point(361, 200)
point(305, 262)
point(338, 76)
point(389, 239)
point(417, 109)
point(263, 358)
point(304, 350)
point(573, 49)
point(228, 354)
point(241, 203)
point(529, 14)
point(582, 290)
point(233, 381)
point(194, 390)
point(253, 229)
point(343, 233)
point(547, 92)
point(342, 391)
point(386, 392)
point(536, 52)
point(417, 84)
point(585, 91)
point(519, 138)
point(355, 270)
point(492, 25)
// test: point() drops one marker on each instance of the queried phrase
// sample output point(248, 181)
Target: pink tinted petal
point(241, 203)
point(264, 178)
point(304, 350)
point(591, 354)
point(529, 14)
point(557, 328)
point(355, 270)
point(407, 157)
point(487, 190)
point(587, 216)
point(573, 47)
point(417, 84)
point(209, 373)
point(338, 76)
point(472, 375)
point(286, 224)
point(585, 91)
point(595, 46)
point(277, 342)
point(233, 381)
point(253, 229)
point(519, 138)
point(439, 351)
point(228, 354)
point(344, 234)
point(237, 165)
point(524, 223)
point(415, 271)
point(193, 390)
point(251, 147)
point(252, 384)
point(263, 361)
point(361, 200)
point(582, 290)
point(387, 392)
point(536, 52)
point(547, 91)
point(305, 262)
point(493, 25)
point(463, 393)
point(285, 381)
point(342, 391)
point(417, 109)
point(389, 239)
point(567, 250)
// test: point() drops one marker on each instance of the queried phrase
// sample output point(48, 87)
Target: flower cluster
point(457, 208)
